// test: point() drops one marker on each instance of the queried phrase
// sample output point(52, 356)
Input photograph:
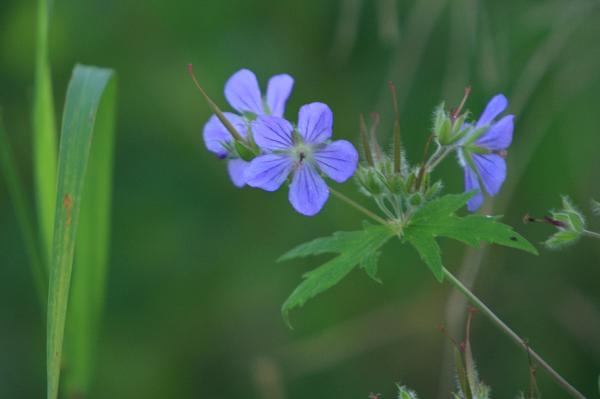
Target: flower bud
point(415, 200)
point(570, 224)
point(442, 125)
point(368, 181)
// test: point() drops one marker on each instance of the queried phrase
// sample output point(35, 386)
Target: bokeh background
point(194, 292)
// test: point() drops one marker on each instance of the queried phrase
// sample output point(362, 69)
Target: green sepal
point(244, 152)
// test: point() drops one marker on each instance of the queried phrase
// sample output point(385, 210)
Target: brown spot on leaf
point(68, 204)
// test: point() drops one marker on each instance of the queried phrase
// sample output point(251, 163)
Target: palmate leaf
point(437, 219)
point(354, 248)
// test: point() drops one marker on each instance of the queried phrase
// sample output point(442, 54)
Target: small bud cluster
point(397, 188)
point(447, 127)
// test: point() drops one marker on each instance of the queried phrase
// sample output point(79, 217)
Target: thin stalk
point(438, 157)
point(380, 201)
point(424, 162)
point(373, 134)
point(396, 130)
point(215, 108)
point(357, 206)
point(485, 310)
point(520, 342)
point(591, 234)
point(365, 141)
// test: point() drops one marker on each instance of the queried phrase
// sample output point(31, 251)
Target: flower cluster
point(264, 150)
point(272, 149)
point(481, 146)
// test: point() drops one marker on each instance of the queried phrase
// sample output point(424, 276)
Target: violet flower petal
point(492, 170)
point(272, 133)
point(242, 92)
point(268, 171)
point(472, 183)
point(315, 122)
point(215, 133)
point(495, 107)
point(499, 136)
point(237, 171)
point(278, 92)
point(337, 160)
point(308, 192)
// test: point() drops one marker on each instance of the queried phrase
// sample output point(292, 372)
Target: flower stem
point(438, 157)
point(591, 234)
point(511, 334)
point(521, 343)
point(357, 206)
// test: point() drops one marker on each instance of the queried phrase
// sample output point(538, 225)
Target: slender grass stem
point(357, 206)
point(44, 134)
point(483, 309)
point(511, 334)
point(23, 216)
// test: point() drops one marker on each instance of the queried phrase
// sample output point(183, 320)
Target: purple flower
point(482, 151)
point(303, 152)
point(244, 95)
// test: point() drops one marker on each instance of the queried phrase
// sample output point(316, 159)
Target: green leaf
point(429, 251)
point(353, 248)
point(84, 94)
point(369, 264)
point(476, 229)
point(440, 208)
point(437, 219)
point(91, 253)
point(44, 132)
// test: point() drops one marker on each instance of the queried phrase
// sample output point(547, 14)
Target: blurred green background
point(194, 292)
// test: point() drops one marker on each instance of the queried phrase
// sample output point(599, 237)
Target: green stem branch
point(484, 309)
point(357, 206)
point(512, 335)
point(591, 234)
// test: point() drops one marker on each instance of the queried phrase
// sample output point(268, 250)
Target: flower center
point(302, 153)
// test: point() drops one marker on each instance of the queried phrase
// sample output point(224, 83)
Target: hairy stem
point(482, 307)
point(591, 234)
point(512, 335)
point(357, 206)
point(438, 157)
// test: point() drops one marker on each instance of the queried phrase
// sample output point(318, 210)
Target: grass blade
point(44, 133)
point(14, 185)
point(91, 254)
point(84, 94)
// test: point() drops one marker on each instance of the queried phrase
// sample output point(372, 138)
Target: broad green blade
point(82, 108)
point(23, 214)
point(91, 255)
point(44, 133)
